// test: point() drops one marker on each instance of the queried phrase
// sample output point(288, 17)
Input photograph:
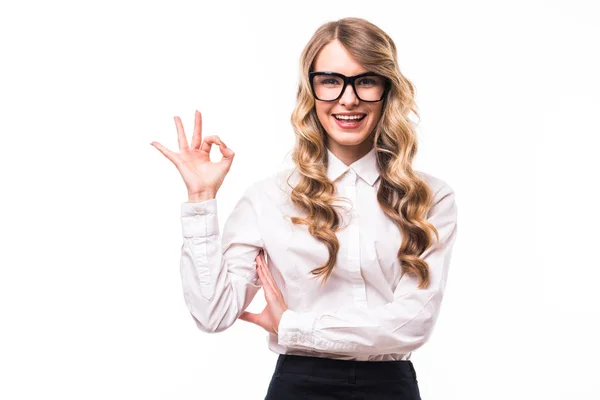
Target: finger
point(227, 153)
point(197, 138)
point(268, 281)
point(257, 259)
point(181, 139)
point(272, 293)
point(166, 152)
point(261, 274)
point(267, 273)
point(208, 142)
point(265, 283)
point(249, 317)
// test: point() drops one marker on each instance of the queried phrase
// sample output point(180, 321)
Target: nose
point(349, 97)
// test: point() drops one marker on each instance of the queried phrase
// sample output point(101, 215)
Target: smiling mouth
point(351, 118)
point(349, 123)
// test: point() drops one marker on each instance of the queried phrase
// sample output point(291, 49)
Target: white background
point(90, 291)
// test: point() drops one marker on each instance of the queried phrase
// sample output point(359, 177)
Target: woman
point(358, 243)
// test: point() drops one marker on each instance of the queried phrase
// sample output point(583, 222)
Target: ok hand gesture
point(201, 176)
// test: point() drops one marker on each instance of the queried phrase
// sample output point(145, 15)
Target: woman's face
point(347, 142)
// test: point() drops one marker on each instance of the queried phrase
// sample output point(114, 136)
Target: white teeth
point(348, 117)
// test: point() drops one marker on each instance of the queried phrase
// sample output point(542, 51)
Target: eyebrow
point(336, 72)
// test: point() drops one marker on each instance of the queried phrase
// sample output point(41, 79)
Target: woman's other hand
point(202, 177)
point(269, 318)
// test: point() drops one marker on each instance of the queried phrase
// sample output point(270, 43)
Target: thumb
point(249, 317)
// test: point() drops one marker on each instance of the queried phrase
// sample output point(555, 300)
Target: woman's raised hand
point(201, 176)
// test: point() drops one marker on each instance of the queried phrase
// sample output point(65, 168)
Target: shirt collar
point(365, 167)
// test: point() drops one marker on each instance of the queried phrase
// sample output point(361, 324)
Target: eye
point(367, 81)
point(328, 80)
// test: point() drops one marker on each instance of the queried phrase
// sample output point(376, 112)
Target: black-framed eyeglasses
point(329, 86)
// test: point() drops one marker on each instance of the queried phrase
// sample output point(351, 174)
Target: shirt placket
point(353, 250)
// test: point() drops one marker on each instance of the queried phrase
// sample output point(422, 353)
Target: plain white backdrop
point(91, 305)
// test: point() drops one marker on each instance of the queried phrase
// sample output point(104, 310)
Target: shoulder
point(444, 198)
point(438, 186)
point(274, 187)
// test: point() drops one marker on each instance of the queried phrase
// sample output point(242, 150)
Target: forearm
point(218, 274)
point(399, 327)
point(214, 297)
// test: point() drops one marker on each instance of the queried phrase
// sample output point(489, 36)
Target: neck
point(350, 154)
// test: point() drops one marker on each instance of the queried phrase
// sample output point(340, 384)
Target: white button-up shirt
point(367, 311)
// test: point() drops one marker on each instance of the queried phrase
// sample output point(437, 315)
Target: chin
point(348, 139)
point(350, 142)
point(348, 136)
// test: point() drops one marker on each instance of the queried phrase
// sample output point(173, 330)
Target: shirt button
point(295, 339)
point(198, 216)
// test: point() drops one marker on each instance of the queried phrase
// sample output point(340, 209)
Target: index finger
point(197, 138)
point(181, 139)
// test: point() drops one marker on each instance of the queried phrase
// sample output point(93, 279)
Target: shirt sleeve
point(400, 326)
point(219, 275)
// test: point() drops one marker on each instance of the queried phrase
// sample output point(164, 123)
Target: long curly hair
point(402, 195)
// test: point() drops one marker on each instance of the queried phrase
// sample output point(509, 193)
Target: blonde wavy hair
point(403, 197)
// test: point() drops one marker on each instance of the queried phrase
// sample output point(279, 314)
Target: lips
point(350, 123)
point(353, 117)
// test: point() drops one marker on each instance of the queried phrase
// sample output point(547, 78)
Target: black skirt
point(316, 378)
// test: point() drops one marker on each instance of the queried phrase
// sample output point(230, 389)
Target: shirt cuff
point(296, 329)
point(199, 219)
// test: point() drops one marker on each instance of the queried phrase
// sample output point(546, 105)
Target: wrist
point(203, 196)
